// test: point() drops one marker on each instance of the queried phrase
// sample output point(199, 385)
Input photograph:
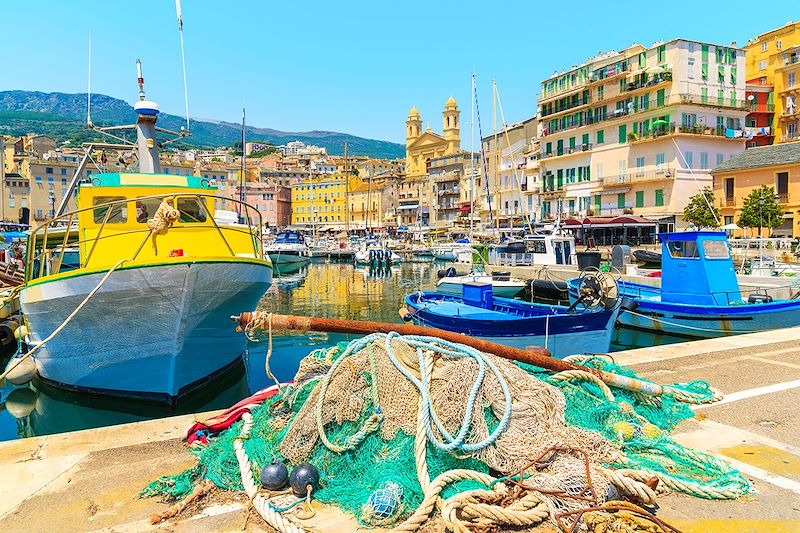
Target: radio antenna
point(89, 89)
point(183, 61)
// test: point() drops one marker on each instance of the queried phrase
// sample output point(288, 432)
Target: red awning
point(464, 209)
point(572, 222)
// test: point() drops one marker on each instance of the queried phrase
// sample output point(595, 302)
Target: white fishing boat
point(288, 248)
point(503, 285)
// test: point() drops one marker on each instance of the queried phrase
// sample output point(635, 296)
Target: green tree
point(701, 211)
point(760, 210)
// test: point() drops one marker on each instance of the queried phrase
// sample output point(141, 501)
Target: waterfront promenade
point(88, 480)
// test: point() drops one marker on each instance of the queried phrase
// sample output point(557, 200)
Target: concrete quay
point(88, 480)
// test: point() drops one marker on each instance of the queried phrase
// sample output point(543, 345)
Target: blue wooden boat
point(699, 295)
point(564, 331)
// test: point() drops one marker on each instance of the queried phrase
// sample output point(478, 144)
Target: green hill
point(63, 117)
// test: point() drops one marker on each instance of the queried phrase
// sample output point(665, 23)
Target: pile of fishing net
point(404, 430)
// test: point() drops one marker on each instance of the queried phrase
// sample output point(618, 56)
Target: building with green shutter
point(637, 131)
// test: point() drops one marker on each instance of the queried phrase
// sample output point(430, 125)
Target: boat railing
point(49, 242)
point(732, 297)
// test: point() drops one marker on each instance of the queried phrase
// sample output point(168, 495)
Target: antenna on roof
point(183, 61)
point(89, 89)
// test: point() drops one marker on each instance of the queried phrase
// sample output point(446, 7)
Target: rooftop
point(763, 156)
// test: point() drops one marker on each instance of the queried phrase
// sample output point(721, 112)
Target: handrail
point(253, 231)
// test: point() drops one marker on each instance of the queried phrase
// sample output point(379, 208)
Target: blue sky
point(346, 66)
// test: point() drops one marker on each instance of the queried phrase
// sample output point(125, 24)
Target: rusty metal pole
point(538, 357)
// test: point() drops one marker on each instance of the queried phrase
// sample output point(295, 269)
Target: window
point(38, 180)
point(762, 65)
point(716, 250)
point(600, 93)
point(703, 160)
point(115, 214)
point(778, 44)
point(639, 198)
point(683, 249)
point(763, 47)
point(704, 71)
point(659, 198)
point(11, 203)
point(63, 171)
point(790, 79)
point(191, 211)
point(640, 166)
point(690, 68)
point(39, 213)
point(600, 136)
point(688, 157)
point(720, 159)
point(63, 181)
point(659, 161)
point(621, 200)
point(48, 170)
point(660, 100)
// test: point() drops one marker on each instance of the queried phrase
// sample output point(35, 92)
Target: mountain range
point(63, 117)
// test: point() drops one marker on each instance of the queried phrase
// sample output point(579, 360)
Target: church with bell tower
point(421, 146)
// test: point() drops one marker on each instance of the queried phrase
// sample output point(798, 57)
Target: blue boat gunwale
point(542, 319)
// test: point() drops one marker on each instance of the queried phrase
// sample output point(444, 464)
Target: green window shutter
point(659, 197)
point(560, 179)
point(560, 147)
point(623, 134)
point(733, 98)
point(580, 174)
point(585, 140)
point(646, 127)
point(548, 148)
point(645, 102)
point(622, 85)
point(642, 59)
point(705, 53)
point(660, 100)
point(597, 204)
point(704, 95)
point(639, 198)
point(733, 75)
point(621, 200)
point(588, 173)
point(704, 69)
point(720, 97)
point(662, 53)
point(600, 136)
point(572, 143)
point(721, 74)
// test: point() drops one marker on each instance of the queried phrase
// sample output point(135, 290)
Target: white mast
point(472, 157)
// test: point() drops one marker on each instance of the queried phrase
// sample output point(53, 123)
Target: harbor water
point(319, 289)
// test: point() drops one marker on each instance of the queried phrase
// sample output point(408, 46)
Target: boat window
point(537, 247)
point(119, 212)
point(191, 210)
point(683, 249)
point(146, 208)
point(716, 250)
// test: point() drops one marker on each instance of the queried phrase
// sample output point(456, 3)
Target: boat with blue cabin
point(699, 296)
point(562, 330)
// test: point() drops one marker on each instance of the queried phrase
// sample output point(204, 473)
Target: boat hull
point(699, 321)
point(288, 258)
point(548, 326)
point(153, 332)
point(500, 290)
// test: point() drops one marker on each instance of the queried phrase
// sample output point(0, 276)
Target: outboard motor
point(372, 256)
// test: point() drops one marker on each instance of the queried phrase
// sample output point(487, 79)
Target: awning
point(409, 206)
point(465, 209)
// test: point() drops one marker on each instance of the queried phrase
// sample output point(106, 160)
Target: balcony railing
point(694, 129)
point(589, 118)
point(783, 198)
point(729, 201)
point(759, 107)
point(639, 176)
point(657, 79)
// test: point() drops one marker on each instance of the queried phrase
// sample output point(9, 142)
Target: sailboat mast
point(346, 192)
point(472, 157)
point(496, 155)
point(243, 179)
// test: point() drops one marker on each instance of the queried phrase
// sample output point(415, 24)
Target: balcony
point(611, 72)
point(760, 107)
point(657, 79)
point(584, 147)
point(560, 107)
point(693, 129)
point(783, 198)
point(728, 201)
point(639, 176)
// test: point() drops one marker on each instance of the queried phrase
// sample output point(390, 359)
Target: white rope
point(65, 322)
point(261, 503)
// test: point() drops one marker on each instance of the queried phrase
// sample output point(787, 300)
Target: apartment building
point(638, 131)
point(513, 175)
point(772, 71)
point(366, 207)
point(321, 200)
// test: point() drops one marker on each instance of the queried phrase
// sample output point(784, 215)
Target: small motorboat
point(699, 295)
point(375, 254)
point(288, 247)
point(503, 285)
point(647, 257)
point(580, 328)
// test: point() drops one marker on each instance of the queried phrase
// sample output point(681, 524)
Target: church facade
point(422, 147)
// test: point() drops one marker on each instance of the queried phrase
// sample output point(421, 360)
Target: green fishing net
point(635, 423)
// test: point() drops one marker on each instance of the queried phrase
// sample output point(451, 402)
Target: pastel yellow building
point(322, 200)
point(773, 61)
point(366, 206)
